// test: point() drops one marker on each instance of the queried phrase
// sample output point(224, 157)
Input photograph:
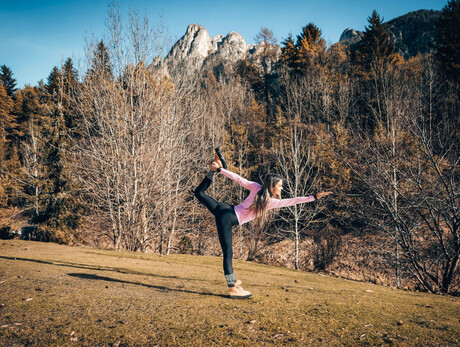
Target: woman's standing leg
point(225, 220)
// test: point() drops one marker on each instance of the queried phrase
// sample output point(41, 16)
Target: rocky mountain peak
point(232, 47)
point(350, 34)
point(196, 47)
point(194, 44)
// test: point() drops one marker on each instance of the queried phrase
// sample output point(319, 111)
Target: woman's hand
point(321, 195)
point(214, 166)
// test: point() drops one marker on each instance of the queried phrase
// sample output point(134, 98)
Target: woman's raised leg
point(205, 199)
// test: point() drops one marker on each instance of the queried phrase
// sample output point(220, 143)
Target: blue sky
point(36, 35)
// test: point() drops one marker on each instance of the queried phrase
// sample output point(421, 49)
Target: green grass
point(59, 295)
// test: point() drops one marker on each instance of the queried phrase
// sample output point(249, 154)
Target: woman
point(255, 206)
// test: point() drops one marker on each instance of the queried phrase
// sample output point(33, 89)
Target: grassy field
point(59, 295)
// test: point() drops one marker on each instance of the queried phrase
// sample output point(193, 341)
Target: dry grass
point(60, 295)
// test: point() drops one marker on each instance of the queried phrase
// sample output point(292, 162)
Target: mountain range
point(412, 33)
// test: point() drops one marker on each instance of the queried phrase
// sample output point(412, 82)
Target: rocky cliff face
point(350, 36)
point(191, 50)
point(196, 49)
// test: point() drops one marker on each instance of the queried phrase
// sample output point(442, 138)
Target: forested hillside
point(108, 155)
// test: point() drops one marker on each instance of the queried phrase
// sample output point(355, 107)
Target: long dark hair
point(260, 203)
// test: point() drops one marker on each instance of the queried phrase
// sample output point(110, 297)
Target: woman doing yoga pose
point(261, 198)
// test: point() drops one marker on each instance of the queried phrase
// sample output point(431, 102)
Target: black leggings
point(225, 220)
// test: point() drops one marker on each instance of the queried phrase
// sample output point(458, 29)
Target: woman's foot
point(237, 292)
point(221, 158)
point(217, 161)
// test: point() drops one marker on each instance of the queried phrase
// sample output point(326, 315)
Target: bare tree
point(410, 166)
point(268, 56)
point(296, 163)
point(33, 167)
point(294, 152)
point(137, 123)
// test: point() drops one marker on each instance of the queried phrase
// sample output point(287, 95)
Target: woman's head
point(273, 184)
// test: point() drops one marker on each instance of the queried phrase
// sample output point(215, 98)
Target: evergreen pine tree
point(54, 79)
point(374, 60)
point(288, 51)
point(310, 39)
point(100, 64)
point(6, 118)
point(6, 105)
point(58, 217)
point(70, 76)
point(376, 47)
point(9, 160)
point(6, 77)
point(307, 51)
point(448, 29)
point(70, 86)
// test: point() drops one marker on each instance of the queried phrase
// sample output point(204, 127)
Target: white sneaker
point(237, 292)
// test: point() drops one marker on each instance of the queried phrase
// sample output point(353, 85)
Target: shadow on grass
point(109, 279)
point(98, 268)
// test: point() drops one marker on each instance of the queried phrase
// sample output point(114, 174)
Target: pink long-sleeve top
point(243, 211)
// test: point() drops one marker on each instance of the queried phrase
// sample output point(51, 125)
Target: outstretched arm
point(277, 203)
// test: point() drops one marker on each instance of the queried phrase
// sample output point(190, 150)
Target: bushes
point(327, 245)
point(6, 233)
point(45, 233)
point(185, 245)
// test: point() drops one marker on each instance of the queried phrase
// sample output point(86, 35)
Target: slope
point(58, 295)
